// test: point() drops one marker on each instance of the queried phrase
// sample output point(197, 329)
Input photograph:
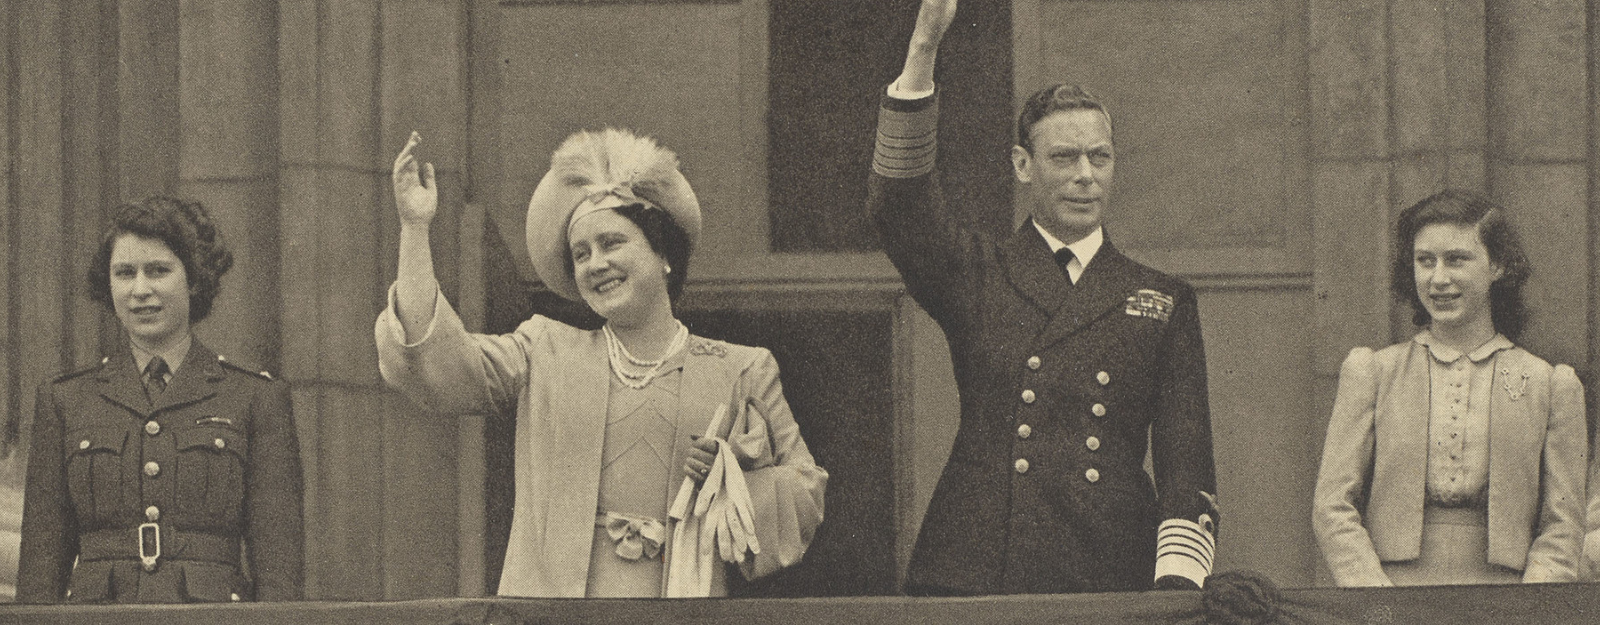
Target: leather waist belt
point(151, 541)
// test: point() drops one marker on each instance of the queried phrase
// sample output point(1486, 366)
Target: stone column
point(1538, 164)
point(227, 124)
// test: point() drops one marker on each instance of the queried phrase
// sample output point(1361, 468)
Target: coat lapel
point(194, 381)
point(1033, 270)
point(1516, 435)
point(1105, 284)
point(120, 383)
point(579, 391)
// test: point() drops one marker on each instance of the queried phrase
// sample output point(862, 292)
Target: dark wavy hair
point(1465, 208)
point(186, 229)
point(666, 238)
point(1048, 100)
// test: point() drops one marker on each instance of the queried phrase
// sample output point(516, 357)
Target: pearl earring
point(667, 269)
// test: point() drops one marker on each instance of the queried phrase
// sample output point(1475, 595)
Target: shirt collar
point(173, 356)
point(1083, 249)
point(1445, 353)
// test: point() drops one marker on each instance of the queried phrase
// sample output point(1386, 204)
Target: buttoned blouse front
point(1458, 420)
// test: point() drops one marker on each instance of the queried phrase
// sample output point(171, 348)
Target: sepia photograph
point(799, 311)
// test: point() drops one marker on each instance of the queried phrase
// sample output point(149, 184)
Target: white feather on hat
point(602, 170)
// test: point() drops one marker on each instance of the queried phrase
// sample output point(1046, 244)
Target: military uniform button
point(233, 596)
point(1021, 465)
point(1099, 410)
point(152, 469)
point(1093, 475)
point(1093, 444)
point(1103, 378)
point(1024, 431)
point(152, 428)
point(1028, 396)
point(221, 444)
point(83, 444)
point(1034, 363)
point(152, 514)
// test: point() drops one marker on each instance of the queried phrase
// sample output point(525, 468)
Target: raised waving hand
point(416, 199)
point(933, 20)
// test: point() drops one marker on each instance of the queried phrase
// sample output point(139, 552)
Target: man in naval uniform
point(1072, 362)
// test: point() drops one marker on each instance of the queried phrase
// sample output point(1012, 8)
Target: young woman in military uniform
point(163, 473)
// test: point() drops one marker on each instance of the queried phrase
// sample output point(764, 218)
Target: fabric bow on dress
point(636, 536)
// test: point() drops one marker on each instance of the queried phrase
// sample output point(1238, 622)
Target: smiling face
point(1068, 172)
point(149, 291)
point(1453, 273)
point(618, 274)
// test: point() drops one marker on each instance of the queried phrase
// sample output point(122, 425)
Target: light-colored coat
point(1370, 491)
point(559, 378)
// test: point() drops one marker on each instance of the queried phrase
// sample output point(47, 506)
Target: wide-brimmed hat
point(594, 171)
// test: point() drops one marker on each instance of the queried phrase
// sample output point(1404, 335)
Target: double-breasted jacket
point(1064, 389)
point(194, 496)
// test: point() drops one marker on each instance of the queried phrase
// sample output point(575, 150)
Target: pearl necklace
point(617, 352)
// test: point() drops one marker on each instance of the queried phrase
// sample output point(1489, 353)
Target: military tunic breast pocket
point(210, 475)
point(94, 471)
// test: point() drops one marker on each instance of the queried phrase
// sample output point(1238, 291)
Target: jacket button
point(221, 444)
point(152, 428)
point(1099, 410)
point(1103, 378)
point(1093, 444)
point(1021, 465)
point(1092, 475)
point(152, 514)
point(1034, 363)
point(152, 469)
point(83, 444)
point(1028, 396)
point(1024, 431)
point(233, 596)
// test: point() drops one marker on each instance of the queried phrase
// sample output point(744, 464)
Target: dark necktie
point(1064, 256)
point(155, 377)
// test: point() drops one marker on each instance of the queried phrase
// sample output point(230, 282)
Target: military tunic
point(195, 496)
point(1063, 390)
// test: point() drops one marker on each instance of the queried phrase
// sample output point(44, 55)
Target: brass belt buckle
point(149, 533)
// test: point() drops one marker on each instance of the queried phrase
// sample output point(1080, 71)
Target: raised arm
point(933, 19)
point(904, 200)
point(416, 198)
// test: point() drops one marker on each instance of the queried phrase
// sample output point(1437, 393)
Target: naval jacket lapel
point(1032, 269)
point(1104, 284)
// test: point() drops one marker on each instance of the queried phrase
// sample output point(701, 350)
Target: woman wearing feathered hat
point(645, 456)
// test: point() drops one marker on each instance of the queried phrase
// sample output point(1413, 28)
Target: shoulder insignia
point(223, 360)
point(708, 347)
point(77, 372)
point(1149, 303)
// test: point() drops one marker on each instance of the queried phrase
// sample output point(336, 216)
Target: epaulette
point(260, 373)
point(77, 372)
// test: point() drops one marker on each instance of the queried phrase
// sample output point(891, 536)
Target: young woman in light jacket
point(1455, 457)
